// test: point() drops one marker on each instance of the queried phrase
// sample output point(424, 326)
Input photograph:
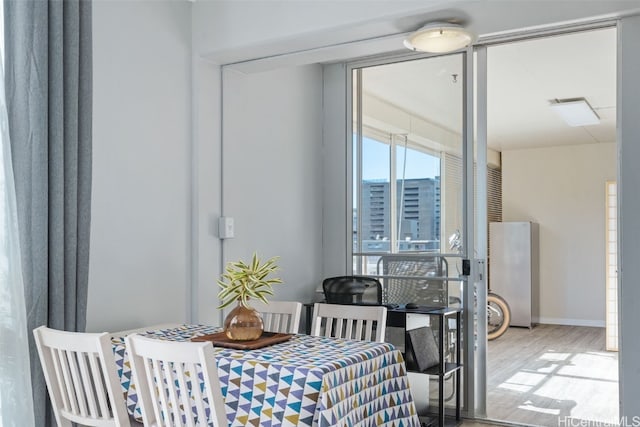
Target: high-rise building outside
point(418, 204)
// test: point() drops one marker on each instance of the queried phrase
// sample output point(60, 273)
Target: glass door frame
point(476, 232)
point(474, 293)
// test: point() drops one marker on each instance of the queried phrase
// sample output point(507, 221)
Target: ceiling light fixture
point(439, 37)
point(575, 111)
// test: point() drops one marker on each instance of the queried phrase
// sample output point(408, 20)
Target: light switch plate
point(226, 227)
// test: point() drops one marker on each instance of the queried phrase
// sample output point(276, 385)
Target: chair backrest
point(280, 316)
point(82, 377)
point(356, 322)
point(167, 378)
point(352, 290)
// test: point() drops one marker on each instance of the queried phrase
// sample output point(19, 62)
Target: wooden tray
point(220, 339)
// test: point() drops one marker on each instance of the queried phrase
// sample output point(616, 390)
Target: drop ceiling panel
point(524, 76)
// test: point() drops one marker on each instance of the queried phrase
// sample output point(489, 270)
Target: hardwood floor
point(473, 423)
point(552, 376)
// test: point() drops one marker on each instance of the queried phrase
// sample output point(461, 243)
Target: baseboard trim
point(569, 322)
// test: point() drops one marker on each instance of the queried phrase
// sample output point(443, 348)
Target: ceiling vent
point(575, 111)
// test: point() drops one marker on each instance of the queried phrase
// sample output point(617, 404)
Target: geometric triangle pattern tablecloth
point(306, 381)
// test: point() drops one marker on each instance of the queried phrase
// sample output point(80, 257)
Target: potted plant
point(240, 283)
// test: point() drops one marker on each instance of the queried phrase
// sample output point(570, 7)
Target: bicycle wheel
point(498, 316)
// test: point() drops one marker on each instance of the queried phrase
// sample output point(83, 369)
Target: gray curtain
point(49, 97)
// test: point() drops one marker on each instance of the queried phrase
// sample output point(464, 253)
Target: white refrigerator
point(514, 270)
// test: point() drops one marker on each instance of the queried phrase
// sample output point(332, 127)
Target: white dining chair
point(280, 316)
point(82, 378)
point(357, 322)
point(176, 367)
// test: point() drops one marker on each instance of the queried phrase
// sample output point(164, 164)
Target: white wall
point(563, 190)
point(272, 172)
point(336, 218)
point(206, 250)
point(139, 264)
point(233, 29)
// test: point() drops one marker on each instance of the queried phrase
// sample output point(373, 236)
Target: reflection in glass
point(407, 174)
point(408, 177)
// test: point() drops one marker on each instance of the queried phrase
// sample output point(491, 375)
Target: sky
point(375, 162)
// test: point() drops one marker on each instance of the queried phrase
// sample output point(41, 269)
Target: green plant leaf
point(243, 281)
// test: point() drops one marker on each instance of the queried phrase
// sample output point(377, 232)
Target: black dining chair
point(352, 290)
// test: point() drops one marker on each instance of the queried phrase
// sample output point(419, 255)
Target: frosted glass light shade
point(439, 37)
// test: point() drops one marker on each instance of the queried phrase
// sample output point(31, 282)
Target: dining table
point(303, 381)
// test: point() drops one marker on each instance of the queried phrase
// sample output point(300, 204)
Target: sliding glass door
point(412, 168)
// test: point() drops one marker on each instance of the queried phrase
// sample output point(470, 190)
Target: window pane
point(408, 177)
point(376, 226)
point(374, 206)
point(418, 200)
point(410, 119)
